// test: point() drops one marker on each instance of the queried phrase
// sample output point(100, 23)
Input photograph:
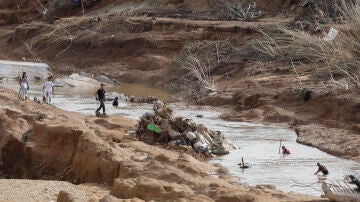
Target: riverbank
point(85, 149)
point(327, 122)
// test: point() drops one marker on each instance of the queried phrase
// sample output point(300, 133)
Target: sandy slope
point(40, 190)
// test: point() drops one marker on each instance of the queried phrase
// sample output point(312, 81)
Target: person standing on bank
point(48, 90)
point(100, 96)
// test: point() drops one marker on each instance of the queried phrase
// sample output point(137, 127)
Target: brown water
point(142, 91)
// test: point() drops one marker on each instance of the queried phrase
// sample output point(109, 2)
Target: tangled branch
point(201, 58)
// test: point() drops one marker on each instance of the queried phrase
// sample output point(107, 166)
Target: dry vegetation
point(338, 59)
point(236, 10)
point(201, 58)
point(76, 33)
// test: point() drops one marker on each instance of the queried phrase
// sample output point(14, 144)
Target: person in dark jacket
point(100, 96)
point(116, 102)
point(355, 181)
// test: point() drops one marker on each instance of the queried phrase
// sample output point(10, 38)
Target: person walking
point(48, 90)
point(100, 96)
point(24, 86)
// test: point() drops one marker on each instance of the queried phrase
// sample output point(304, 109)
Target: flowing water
point(257, 143)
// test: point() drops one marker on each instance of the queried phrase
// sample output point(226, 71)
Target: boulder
point(105, 79)
point(122, 188)
point(76, 80)
point(65, 196)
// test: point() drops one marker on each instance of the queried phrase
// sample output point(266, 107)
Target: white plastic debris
point(190, 135)
point(333, 33)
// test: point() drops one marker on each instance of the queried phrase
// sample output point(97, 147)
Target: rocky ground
point(42, 142)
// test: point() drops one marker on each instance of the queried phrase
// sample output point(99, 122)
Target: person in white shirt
point(48, 90)
point(24, 86)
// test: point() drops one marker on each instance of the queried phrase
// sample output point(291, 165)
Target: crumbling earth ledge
point(43, 142)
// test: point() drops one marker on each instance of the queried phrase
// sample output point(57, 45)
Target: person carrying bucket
point(24, 86)
point(100, 96)
point(48, 90)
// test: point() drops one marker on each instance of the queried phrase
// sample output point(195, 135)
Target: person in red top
point(285, 150)
point(322, 169)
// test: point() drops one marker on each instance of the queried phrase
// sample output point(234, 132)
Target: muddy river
point(257, 143)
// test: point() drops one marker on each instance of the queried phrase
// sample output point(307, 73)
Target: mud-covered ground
point(131, 47)
point(43, 142)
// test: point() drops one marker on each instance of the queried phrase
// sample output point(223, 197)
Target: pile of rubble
point(148, 100)
point(161, 127)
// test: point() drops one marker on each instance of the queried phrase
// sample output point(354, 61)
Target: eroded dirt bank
point(43, 142)
point(327, 121)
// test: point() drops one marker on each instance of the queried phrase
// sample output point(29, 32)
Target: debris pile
point(148, 100)
point(161, 127)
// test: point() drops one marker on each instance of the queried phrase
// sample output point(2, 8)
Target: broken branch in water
point(280, 146)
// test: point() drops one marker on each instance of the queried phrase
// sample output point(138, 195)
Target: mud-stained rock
point(122, 188)
point(216, 101)
point(253, 101)
point(94, 161)
point(67, 197)
point(53, 148)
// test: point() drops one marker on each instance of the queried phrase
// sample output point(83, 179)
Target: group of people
point(48, 92)
point(100, 96)
point(48, 88)
point(321, 168)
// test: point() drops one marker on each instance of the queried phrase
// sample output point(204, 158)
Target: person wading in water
point(116, 102)
point(285, 150)
point(100, 96)
point(322, 169)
